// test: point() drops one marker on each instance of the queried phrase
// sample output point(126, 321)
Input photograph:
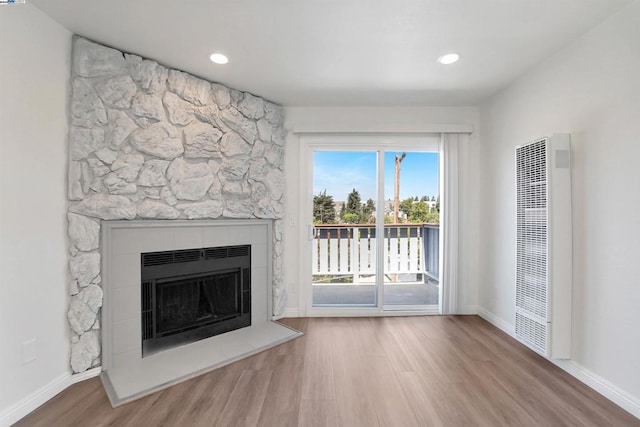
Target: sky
point(339, 172)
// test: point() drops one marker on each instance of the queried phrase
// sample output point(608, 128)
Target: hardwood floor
point(393, 371)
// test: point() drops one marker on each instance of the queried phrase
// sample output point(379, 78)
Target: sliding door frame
point(375, 142)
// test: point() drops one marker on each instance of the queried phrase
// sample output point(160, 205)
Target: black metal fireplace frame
point(160, 268)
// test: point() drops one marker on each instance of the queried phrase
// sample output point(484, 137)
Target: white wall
point(590, 89)
point(34, 87)
point(378, 119)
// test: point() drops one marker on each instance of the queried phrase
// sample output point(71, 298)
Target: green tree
point(419, 212)
point(405, 206)
point(368, 209)
point(424, 198)
point(353, 206)
point(350, 218)
point(323, 209)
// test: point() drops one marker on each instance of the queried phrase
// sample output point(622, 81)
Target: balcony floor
point(394, 294)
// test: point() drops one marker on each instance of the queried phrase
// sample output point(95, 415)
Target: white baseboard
point(294, 312)
point(91, 373)
point(290, 312)
point(472, 309)
point(609, 390)
point(499, 323)
point(24, 407)
point(620, 397)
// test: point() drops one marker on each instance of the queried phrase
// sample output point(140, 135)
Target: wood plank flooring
point(393, 371)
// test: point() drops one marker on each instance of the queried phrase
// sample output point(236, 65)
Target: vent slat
point(235, 251)
point(215, 253)
point(157, 258)
point(532, 331)
point(190, 255)
point(226, 252)
point(170, 257)
point(187, 256)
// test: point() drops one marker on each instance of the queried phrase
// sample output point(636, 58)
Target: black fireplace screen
point(194, 294)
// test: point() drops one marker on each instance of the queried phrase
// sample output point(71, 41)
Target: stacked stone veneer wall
point(147, 142)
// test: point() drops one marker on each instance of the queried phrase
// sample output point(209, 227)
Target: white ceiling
point(341, 52)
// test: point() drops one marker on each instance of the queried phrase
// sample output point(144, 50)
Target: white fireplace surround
point(126, 374)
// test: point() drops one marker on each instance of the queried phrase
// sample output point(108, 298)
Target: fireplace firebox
point(193, 294)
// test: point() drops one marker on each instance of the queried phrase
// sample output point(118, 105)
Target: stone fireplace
point(151, 145)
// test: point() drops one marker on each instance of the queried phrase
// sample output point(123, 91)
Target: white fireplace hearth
point(126, 374)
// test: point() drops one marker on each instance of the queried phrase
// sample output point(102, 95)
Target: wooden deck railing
point(350, 250)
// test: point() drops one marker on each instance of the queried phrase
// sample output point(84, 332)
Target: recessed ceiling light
point(449, 58)
point(219, 58)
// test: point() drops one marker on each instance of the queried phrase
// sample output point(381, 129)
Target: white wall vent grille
point(531, 244)
point(543, 267)
point(534, 331)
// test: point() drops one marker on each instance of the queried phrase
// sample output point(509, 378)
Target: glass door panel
point(344, 243)
point(411, 231)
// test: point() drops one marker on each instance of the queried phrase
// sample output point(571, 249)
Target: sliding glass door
point(410, 240)
point(373, 227)
point(344, 244)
